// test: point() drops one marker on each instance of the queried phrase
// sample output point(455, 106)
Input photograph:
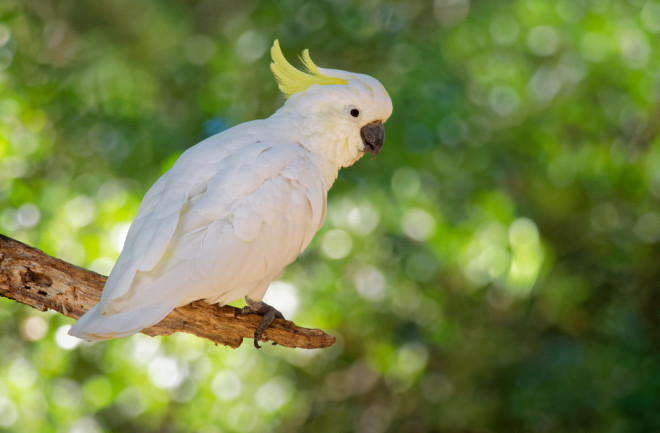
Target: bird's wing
point(232, 237)
point(158, 216)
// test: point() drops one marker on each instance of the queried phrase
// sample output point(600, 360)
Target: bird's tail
point(94, 326)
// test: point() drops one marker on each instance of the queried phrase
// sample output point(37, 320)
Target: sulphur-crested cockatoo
point(238, 207)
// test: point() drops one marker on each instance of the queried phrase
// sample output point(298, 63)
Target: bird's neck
point(331, 145)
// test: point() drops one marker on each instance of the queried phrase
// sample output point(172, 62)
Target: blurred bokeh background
point(495, 269)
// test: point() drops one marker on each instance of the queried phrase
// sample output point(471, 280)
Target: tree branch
point(34, 278)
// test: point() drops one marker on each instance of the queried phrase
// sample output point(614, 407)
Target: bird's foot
point(269, 314)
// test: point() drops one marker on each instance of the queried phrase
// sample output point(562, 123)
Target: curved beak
point(373, 136)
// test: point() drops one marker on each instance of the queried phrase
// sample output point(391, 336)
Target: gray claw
point(269, 314)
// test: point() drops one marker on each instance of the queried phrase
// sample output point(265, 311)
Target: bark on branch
point(34, 278)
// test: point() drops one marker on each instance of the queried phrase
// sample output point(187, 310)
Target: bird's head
point(340, 114)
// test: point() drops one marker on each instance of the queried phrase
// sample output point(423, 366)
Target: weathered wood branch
point(34, 278)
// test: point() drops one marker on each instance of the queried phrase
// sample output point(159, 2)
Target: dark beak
point(373, 136)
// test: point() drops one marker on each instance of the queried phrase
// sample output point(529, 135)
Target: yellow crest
point(292, 80)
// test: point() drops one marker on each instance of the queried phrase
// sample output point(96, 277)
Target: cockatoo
point(238, 207)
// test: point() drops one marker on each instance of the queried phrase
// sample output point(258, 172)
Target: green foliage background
point(495, 269)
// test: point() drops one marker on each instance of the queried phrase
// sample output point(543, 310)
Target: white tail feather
point(94, 326)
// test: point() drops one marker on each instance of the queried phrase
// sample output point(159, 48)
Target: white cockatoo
point(238, 207)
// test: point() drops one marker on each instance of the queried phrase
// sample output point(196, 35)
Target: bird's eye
point(355, 112)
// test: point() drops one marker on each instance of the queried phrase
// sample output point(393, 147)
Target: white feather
point(211, 228)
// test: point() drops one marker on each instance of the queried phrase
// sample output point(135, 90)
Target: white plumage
point(239, 206)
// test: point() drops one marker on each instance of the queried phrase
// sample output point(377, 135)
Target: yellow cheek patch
point(292, 80)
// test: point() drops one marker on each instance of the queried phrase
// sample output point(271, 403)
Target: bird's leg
point(269, 314)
